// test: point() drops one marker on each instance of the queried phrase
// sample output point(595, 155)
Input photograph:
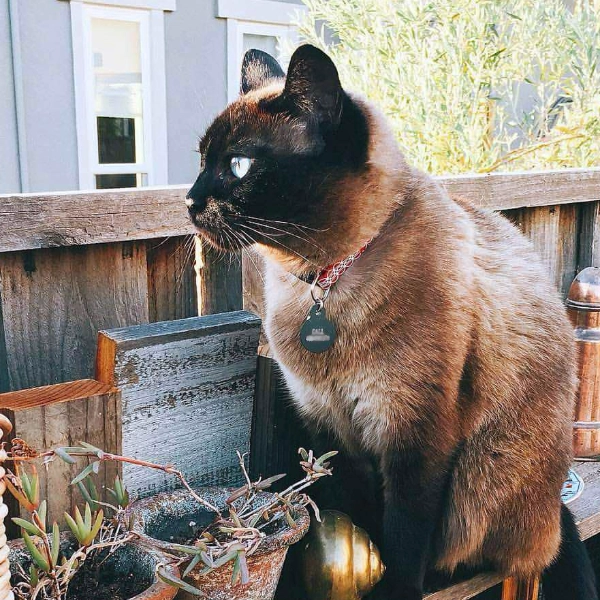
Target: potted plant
point(96, 560)
point(227, 543)
point(233, 545)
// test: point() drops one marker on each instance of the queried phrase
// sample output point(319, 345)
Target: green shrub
point(473, 85)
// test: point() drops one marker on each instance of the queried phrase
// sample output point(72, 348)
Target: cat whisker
point(283, 232)
point(276, 241)
point(297, 225)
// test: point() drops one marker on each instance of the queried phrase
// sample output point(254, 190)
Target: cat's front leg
point(413, 496)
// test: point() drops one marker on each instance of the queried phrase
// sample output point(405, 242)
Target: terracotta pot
point(132, 560)
point(166, 518)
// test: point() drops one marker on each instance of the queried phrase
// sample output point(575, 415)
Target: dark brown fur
point(453, 374)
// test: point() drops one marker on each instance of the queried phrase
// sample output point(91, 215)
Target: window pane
point(106, 182)
point(116, 140)
point(266, 43)
point(118, 89)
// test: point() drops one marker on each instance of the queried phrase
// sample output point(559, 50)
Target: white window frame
point(154, 105)
point(258, 17)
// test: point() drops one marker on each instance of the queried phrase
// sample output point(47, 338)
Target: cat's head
point(286, 164)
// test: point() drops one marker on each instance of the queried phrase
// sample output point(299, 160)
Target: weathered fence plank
point(55, 301)
point(589, 235)
point(553, 231)
point(171, 279)
point(92, 217)
point(187, 395)
point(219, 281)
point(78, 218)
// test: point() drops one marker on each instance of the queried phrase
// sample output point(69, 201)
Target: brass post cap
point(584, 293)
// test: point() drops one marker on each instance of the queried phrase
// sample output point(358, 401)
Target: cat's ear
point(313, 84)
point(258, 70)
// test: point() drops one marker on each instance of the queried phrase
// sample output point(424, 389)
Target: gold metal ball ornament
point(339, 560)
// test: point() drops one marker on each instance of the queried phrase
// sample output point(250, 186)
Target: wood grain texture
point(503, 191)
point(91, 217)
point(553, 231)
point(521, 589)
point(53, 394)
point(187, 396)
point(93, 418)
point(80, 218)
point(171, 278)
point(219, 281)
point(54, 302)
point(589, 235)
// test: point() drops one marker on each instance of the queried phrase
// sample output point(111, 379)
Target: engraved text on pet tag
point(317, 333)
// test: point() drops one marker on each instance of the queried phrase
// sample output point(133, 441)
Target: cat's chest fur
point(336, 389)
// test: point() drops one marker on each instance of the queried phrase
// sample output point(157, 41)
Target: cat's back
point(521, 332)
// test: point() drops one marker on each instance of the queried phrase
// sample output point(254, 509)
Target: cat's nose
point(195, 200)
point(194, 204)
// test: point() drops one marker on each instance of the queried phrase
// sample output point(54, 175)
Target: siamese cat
point(450, 384)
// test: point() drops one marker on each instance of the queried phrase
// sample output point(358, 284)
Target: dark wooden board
point(553, 231)
point(187, 396)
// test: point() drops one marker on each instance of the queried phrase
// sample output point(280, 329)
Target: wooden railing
point(76, 262)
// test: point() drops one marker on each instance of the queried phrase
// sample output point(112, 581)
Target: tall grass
point(473, 85)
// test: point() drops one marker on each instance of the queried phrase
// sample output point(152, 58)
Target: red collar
point(327, 277)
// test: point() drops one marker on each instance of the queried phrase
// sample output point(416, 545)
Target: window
point(120, 95)
point(262, 24)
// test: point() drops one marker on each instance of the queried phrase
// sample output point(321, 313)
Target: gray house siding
point(196, 88)
point(196, 69)
point(9, 152)
point(49, 95)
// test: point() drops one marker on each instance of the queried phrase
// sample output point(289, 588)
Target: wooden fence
point(78, 262)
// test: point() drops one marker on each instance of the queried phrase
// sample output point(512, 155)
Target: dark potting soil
point(190, 532)
point(119, 576)
point(87, 586)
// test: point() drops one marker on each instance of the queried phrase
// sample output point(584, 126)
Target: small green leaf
point(36, 555)
point(64, 455)
point(27, 526)
point(86, 494)
point(176, 582)
point(89, 469)
point(34, 576)
point(95, 529)
point(55, 543)
point(325, 456)
point(99, 453)
point(87, 520)
point(192, 564)
point(73, 526)
point(41, 511)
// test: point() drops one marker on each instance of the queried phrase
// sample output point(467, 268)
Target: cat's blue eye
point(240, 165)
